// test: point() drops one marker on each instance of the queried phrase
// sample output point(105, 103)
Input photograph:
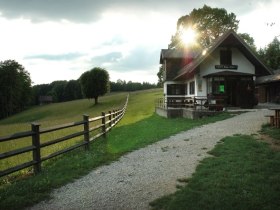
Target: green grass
point(271, 131)
point(138, 128)
point(49, 116)
point(242, 174)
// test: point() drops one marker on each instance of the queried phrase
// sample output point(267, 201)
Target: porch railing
point(213, 103)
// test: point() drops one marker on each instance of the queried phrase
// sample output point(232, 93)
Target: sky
point(61, 39)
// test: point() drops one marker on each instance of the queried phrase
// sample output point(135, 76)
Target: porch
point(190, 107)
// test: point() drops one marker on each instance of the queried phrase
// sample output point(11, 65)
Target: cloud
point(90, 10)
point(53, 57)
point(139, 58)
point(102, 60)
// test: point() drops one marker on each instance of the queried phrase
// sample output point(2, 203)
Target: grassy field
point(138, 128)
point(49, 116)
point(243, 173)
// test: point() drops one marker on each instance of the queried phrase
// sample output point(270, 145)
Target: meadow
point(139, 127)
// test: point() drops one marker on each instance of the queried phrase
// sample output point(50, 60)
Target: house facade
point(221, 76)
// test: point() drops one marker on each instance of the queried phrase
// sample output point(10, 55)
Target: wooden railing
point(213, 103)
point(107, 121)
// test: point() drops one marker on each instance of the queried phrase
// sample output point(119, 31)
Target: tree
point(95, 83)
point(160, 76)
point(72, 90)
point(57, 90)
point(249, 40)
point(15, 88)
point(210, 23)
point(271, 54)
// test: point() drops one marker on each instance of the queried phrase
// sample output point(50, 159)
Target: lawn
point(136, 130)
point(242, 174)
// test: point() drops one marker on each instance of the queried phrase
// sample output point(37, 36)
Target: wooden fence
point(108, 121)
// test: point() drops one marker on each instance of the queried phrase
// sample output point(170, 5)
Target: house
point(268, 88)
point(210, 80)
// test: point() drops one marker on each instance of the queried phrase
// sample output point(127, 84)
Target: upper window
point(225, 57)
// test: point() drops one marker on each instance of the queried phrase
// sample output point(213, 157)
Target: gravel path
point(149, 173)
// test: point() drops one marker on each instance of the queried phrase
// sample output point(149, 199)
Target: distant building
point(45, 100)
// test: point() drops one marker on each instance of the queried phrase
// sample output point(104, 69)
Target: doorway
point(232, 91)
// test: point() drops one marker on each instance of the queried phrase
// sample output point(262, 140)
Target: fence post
point(114, 120)
point(86, 131)
point(37, 151)
point(103, 124)
point(110, 119)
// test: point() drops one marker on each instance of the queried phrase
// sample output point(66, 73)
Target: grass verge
point(242, 174)
point(21, 193)
point(271, 131)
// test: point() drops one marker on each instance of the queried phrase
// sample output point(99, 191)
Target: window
point(176, 89)
point(225, 57)
point(192, 88)
point(216, 85)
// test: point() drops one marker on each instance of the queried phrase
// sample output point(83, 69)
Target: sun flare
point(188, 36)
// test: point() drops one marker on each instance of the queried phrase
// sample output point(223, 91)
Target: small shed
point(45, 100)
point(268, 88)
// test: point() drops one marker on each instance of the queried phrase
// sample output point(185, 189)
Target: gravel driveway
point(149, 173)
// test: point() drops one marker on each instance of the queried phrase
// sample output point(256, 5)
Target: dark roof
point(180, 54)
point(228, 73)
point(231, 39)
point(268, 79)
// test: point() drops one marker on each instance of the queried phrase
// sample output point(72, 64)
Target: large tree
point(271, 54)
point(15, 88)
point(210, 23)
point(95, 83)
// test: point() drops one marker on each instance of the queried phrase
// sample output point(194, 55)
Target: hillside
point(141, 105)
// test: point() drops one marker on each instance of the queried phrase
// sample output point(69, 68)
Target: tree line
point(16, 92)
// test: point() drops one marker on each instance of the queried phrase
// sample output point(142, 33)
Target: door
point(232, 91)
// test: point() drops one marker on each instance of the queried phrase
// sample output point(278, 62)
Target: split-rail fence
point(102, 124)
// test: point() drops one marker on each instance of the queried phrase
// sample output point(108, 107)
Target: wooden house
point(212, 79)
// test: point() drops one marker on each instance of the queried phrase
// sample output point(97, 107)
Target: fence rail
point(108, 121)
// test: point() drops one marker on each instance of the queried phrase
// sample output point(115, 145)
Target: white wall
point(244, 66)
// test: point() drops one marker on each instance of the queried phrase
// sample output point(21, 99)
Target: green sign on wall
point(222, 88)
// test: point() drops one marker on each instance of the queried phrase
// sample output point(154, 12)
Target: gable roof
point(230, 38)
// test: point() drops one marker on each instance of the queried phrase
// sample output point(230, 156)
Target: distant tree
point(72, 90)
point(249, 40)
point(40, 90)
point(95, 83)
point(160, 76)
point(57, 91)
point(210, 23)
point(15, 88)
point(271, 54)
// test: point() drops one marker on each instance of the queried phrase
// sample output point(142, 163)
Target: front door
point(231, 92)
